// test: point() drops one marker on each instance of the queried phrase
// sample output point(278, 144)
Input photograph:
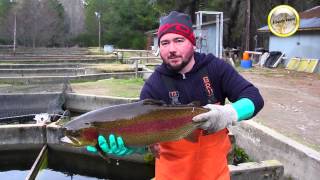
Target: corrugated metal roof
point(309, 20)
point(305, 24)
point(310, 23)
point(310, 13)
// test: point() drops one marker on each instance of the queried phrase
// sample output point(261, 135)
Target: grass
point(152, 67)
point(129, 88)
point(5, 83)
point(240, 156)
point(105, 68)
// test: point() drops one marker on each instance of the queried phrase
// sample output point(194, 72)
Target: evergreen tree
point(123, 22)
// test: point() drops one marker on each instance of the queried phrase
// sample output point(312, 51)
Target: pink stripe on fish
point(90, 134)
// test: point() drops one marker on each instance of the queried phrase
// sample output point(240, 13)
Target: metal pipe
point(41, 160)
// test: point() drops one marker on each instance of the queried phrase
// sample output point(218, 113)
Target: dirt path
point(292, 103)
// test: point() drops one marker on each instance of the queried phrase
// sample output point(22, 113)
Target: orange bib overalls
point(202, 160)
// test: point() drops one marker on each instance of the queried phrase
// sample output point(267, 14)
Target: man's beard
point(178, 68)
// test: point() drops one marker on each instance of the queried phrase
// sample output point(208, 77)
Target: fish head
point(80, 137)
point(79, 132)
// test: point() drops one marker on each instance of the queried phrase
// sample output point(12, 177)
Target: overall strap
point(207, 86)
point(173, 93)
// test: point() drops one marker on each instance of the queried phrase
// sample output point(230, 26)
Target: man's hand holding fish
point(223, 116)
point(115, 147)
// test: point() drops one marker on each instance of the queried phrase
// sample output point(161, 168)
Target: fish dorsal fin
point(194, 104)
point(153, 102)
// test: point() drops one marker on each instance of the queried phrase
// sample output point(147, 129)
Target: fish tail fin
point(194, 136)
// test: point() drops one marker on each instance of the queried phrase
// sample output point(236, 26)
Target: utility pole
point(98, 15)
point(247, 31)
point(15, 34)
point(14, 30)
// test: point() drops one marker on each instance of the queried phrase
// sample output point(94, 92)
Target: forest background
point(124, 23)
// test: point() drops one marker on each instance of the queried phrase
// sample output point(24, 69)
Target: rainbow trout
point(140, 123)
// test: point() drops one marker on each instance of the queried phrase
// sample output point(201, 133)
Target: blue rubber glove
point(115, 147)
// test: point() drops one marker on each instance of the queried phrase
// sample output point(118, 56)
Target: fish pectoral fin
point(66, 140)
point(102, 154)
point(193, 137)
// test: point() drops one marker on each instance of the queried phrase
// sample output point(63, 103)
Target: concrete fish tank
point(49, 164)
point(31, 150)
point(34, 151)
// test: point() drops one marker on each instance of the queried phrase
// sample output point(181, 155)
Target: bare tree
point(39, 23)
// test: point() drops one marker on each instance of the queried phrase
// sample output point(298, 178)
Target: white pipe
point(219, 29)
point(217, 36)
point(221, 35)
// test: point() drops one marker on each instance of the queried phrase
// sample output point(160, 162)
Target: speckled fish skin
point(139, 124)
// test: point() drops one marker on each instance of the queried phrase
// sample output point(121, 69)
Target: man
point(186, 76)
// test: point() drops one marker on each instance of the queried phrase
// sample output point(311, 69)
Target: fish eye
point(74, 133)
